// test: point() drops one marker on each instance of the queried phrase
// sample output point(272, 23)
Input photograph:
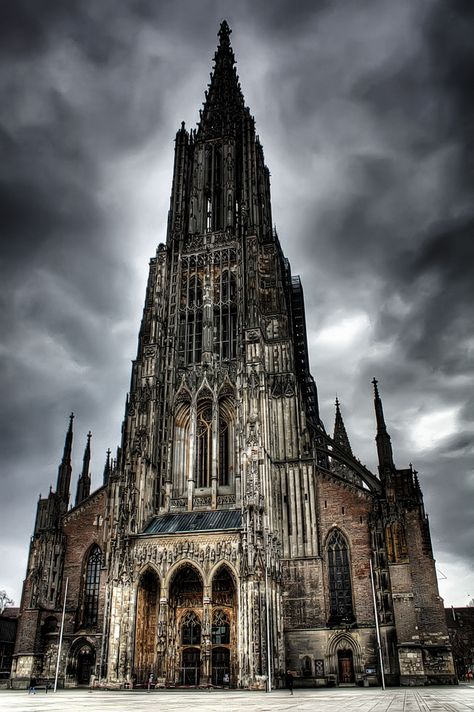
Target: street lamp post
point(377, 629)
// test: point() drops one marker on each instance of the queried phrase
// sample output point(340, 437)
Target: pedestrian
point(150, 681)
point(226, 679)
point(32, 687)
point(289, 681)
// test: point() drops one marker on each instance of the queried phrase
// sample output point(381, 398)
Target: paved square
point(451, 699)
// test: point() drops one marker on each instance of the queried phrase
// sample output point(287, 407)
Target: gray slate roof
point(195, 522)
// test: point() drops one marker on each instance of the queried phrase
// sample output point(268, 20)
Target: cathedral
point(232, 538)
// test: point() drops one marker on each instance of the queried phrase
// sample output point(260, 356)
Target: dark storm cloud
point(365, 114)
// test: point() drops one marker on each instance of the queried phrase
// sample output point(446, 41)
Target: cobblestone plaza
point(451, 699)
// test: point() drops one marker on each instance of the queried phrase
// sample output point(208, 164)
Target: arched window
point(191, 629)
point(91, 588)
point(340, 588)
point(181, 442)
point(226, 439)
point(204, 446)
point(220, 628)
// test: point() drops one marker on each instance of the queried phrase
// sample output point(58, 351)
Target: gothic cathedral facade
point(232, 537)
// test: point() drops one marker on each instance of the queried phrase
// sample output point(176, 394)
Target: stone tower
point(232, 536)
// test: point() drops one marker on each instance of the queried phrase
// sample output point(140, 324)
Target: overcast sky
point(365, 112)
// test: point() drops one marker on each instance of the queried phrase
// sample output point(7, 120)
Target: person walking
point(289, 681)
point(150, 681)
point(32, 687)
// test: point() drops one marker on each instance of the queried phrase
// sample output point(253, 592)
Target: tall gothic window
point(340, 588)
point(224, 435)
point(191, 629)
point(91, 588)
point(213, 189)
point(190, 318)
point(225, 313)
point(225, 442)
point(204, 446)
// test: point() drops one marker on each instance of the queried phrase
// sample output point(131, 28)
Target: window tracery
point(191, 314)
point(191, 629)
point(225, 314)
point(91, 588)
point(204, 446)
point(340, 586)
point(220, 628)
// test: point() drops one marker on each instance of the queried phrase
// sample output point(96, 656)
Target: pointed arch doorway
point(345, 666)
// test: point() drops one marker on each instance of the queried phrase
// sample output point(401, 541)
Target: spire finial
point(224, 34)
point(376, 390)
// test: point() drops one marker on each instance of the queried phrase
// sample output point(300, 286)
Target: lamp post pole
point(267, 616)
point(61, 637)
point(377, 629)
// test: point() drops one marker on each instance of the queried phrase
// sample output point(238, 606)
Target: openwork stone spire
point(340, 434)
point(224, 105)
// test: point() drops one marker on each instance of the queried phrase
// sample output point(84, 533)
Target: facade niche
point(397, 549)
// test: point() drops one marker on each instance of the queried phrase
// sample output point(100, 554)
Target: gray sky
point(365, 112)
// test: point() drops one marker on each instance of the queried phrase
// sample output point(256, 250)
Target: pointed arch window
point(91, 588)
point(191, 629)
point(224, 446)
point(340, 586)
point(220, 628)
point(204, 446)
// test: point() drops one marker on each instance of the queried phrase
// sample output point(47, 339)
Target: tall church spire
point(107, 467)
point(340, 434)
point(384, 445)
point(65, 468)
point(84, 482)
point(224, 103)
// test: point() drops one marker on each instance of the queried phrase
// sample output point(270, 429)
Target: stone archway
point(81, 662)
point(188, 646)
point(224, 627)
point(148, 598)
point(344, 657)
